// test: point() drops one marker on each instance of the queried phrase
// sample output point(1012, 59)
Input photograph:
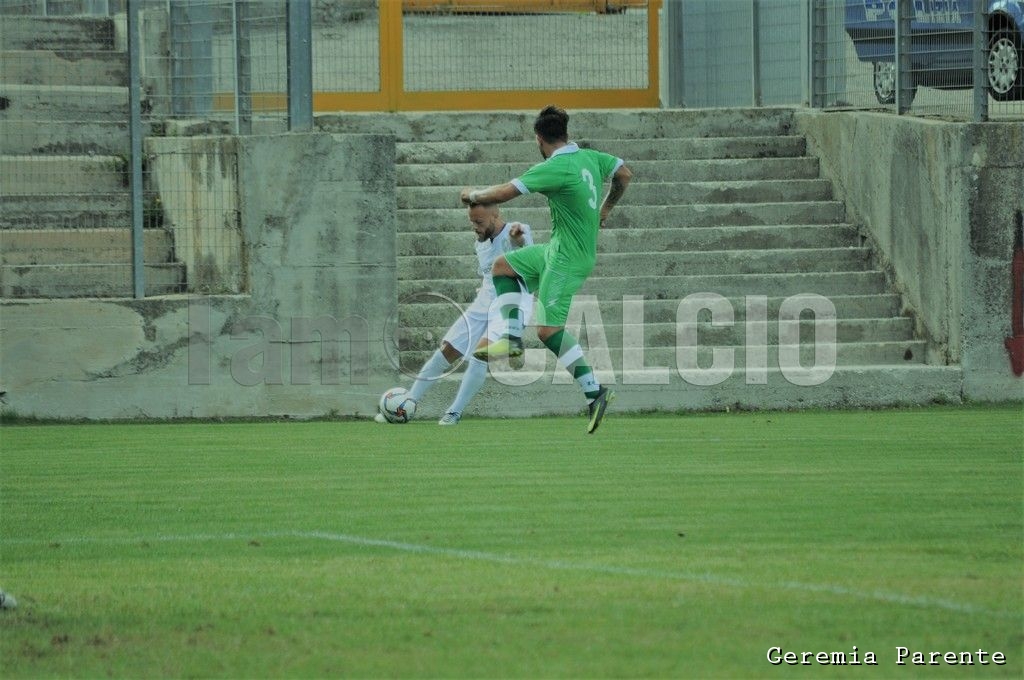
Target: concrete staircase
point(65, 225)
point(722, 202)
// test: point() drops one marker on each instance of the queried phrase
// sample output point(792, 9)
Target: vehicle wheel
point(884, 80)
point(1005, 76)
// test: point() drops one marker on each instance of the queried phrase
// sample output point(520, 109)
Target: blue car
point(941, 41)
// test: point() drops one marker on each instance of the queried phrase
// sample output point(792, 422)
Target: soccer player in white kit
point(494, 237)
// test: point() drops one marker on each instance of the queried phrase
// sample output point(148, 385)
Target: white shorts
point(465, 333)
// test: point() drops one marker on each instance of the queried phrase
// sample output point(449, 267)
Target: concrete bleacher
point(65, 224)
point(727, 203)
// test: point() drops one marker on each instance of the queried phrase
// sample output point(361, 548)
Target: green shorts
point(553, 282)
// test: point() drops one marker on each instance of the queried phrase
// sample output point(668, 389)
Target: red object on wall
point(1015, 343)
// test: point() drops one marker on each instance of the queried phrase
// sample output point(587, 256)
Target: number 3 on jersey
point(589, 179)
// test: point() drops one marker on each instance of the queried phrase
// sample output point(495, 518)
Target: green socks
point(508, 299)
point(570, 356)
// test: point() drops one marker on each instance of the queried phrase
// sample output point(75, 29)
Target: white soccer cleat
point(7, 601)
point(379, 418)
point(450, 418)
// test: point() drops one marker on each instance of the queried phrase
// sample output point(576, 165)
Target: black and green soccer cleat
point(598, 407)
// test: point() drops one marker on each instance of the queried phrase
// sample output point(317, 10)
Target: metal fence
point(956, 59)
point(230, 56)
point(107, 190)
point(890, 54)
point(739, 53)
point(64, 151)
point(56, 8)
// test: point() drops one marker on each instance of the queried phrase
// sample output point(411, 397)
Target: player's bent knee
point(545, 332)
point(501, 267)
point(449, 352)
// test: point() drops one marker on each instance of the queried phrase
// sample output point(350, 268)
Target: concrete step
point(63, 137)
point(658, 240)
point(892, 353)
point(649, 193)
point(630, 150)
point(651, 335)
point(65, 211)
point(677, 287)
point(720, 170)
point(441, 315)
point(639, 391)
point(61, 67)
point(57, 33)
point(628, 216)
point(83, 246)
point(86, 280)
point(72, 103)
point(583, 124)
point(48, 175)
point(668, 264)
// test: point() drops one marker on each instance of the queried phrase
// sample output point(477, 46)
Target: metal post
point(755, 52)
point(980, 62)
point(300, 65)
point(243, 68)
point(904, 43)
point(805, 54)
point(817, 54)
point(175, 22)
point(674, 74)
point(135, 133)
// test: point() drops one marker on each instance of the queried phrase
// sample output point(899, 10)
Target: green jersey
point(571, 179)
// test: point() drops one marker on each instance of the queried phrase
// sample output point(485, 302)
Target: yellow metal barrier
point(457, 6)
point(607, 39)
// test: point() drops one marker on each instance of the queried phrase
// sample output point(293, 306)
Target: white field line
point(886, 597)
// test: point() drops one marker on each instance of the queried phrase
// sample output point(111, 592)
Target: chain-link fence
point(56, 8)
point(957, 59)
point(118, 159)
point(215, 63)
point(106, 189)
point(64, 152)
point(609, 51)
point(740, 53)
point(103, 191)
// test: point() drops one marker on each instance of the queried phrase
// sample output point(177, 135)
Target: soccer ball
point(396, 406)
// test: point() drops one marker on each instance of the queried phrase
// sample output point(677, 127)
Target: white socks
point(432, 370)
point(436, 366)
point(476, 373)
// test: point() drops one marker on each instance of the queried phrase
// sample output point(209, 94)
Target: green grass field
point(682, 546)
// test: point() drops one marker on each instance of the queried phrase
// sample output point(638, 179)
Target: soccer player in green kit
point(571, 179)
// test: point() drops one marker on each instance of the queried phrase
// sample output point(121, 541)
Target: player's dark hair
point(552, 125)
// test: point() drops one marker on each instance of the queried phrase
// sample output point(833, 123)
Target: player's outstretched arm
point(499, 193)
point(620, 180)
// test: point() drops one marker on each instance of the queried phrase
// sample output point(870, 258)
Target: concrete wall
point(937, 200)
point(317, 219)
point(317, 212)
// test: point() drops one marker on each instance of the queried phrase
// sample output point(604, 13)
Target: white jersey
point(487, 251)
